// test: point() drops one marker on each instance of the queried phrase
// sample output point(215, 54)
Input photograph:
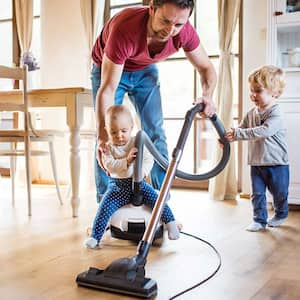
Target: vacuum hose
point(143, 139)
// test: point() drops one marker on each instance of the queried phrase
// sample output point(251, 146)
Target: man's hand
point(209, 106)
point(131, 155)
point(101, 149)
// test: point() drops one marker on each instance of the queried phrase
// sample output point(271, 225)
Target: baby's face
point(119, 130)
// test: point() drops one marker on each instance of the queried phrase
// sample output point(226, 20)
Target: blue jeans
point(276, 179)
point(143, 90)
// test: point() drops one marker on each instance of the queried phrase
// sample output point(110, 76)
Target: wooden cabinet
point(283, 44)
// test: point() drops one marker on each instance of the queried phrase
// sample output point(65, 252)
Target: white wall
point(254, 55)
point(64, 54)
point(63, 63)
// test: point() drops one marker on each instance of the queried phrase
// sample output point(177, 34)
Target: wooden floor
point(41, 256)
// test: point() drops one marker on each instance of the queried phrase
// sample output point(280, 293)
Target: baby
point(118, 158)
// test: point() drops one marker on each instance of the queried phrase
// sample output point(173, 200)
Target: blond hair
point(268, 77)
point(115, 111)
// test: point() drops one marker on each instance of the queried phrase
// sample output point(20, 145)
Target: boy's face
point(119, 130)
point(167, 21)
point(261, 97)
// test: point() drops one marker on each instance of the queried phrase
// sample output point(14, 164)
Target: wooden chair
point(26, 134)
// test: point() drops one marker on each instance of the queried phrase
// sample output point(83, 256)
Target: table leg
point(75, 111)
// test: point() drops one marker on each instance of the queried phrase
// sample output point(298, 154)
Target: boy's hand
point(131, 155)
point(230, 135)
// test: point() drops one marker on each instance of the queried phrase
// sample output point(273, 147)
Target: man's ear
point(151, 8)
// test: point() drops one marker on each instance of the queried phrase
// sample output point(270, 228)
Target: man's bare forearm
point(208, 79)
point(104, 100)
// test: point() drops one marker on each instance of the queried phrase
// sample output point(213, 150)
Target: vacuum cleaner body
point(130, 222)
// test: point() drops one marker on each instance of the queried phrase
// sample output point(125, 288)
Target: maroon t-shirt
point(124, 40)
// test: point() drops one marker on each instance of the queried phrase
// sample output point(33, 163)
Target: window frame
point(204, 184)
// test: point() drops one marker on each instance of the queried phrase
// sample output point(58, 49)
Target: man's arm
point(110, 77)
point(208, 76)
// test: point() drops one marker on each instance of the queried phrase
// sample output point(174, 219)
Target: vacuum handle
point(188, 121)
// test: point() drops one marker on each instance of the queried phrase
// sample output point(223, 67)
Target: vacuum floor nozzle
point(114, 279)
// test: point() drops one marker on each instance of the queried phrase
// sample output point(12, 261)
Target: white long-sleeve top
point(116, 163)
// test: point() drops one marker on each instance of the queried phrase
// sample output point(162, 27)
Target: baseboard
point(47, 182)
point(5, 171)
point(244, 195)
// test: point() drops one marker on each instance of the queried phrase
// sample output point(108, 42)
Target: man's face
point(167, 21)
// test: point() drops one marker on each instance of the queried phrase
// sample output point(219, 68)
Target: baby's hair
point(268, 77)
point(114, 111)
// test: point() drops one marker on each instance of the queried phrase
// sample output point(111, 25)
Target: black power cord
point(207, 278)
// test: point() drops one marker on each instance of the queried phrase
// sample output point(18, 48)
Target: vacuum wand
point(145, 243)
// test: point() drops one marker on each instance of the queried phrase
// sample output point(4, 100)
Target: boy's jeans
point(276, 179)
point(143, 90)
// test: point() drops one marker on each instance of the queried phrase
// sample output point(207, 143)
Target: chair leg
point(53, 163)
point(13, 166)
point(28, 172)
point(13, 177)
point(68, 194)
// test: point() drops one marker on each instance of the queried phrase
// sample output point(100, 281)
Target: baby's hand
point(131, 155)
point(230, 135)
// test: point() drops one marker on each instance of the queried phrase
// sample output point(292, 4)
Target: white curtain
point(92, 13)
point(24, 20)
point(224, 186)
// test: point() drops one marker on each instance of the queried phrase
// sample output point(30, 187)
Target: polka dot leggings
point(119, 193)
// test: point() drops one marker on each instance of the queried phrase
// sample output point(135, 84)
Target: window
point(36, 29)
point(10, 54)
point(10, 51)
point(36, 41)
point(6, 37)
point(180, 85)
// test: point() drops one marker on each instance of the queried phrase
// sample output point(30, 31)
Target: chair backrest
point(17, 73)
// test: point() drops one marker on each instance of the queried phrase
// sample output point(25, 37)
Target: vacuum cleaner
point(130, 221)
point(127, 275)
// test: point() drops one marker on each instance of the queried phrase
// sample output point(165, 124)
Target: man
point(124, 58)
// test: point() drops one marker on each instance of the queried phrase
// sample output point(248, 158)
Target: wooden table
point(74, 99)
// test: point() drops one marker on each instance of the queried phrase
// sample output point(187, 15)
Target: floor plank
point(41, 256)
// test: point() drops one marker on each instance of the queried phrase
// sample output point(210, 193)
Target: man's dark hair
point(180, 3)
